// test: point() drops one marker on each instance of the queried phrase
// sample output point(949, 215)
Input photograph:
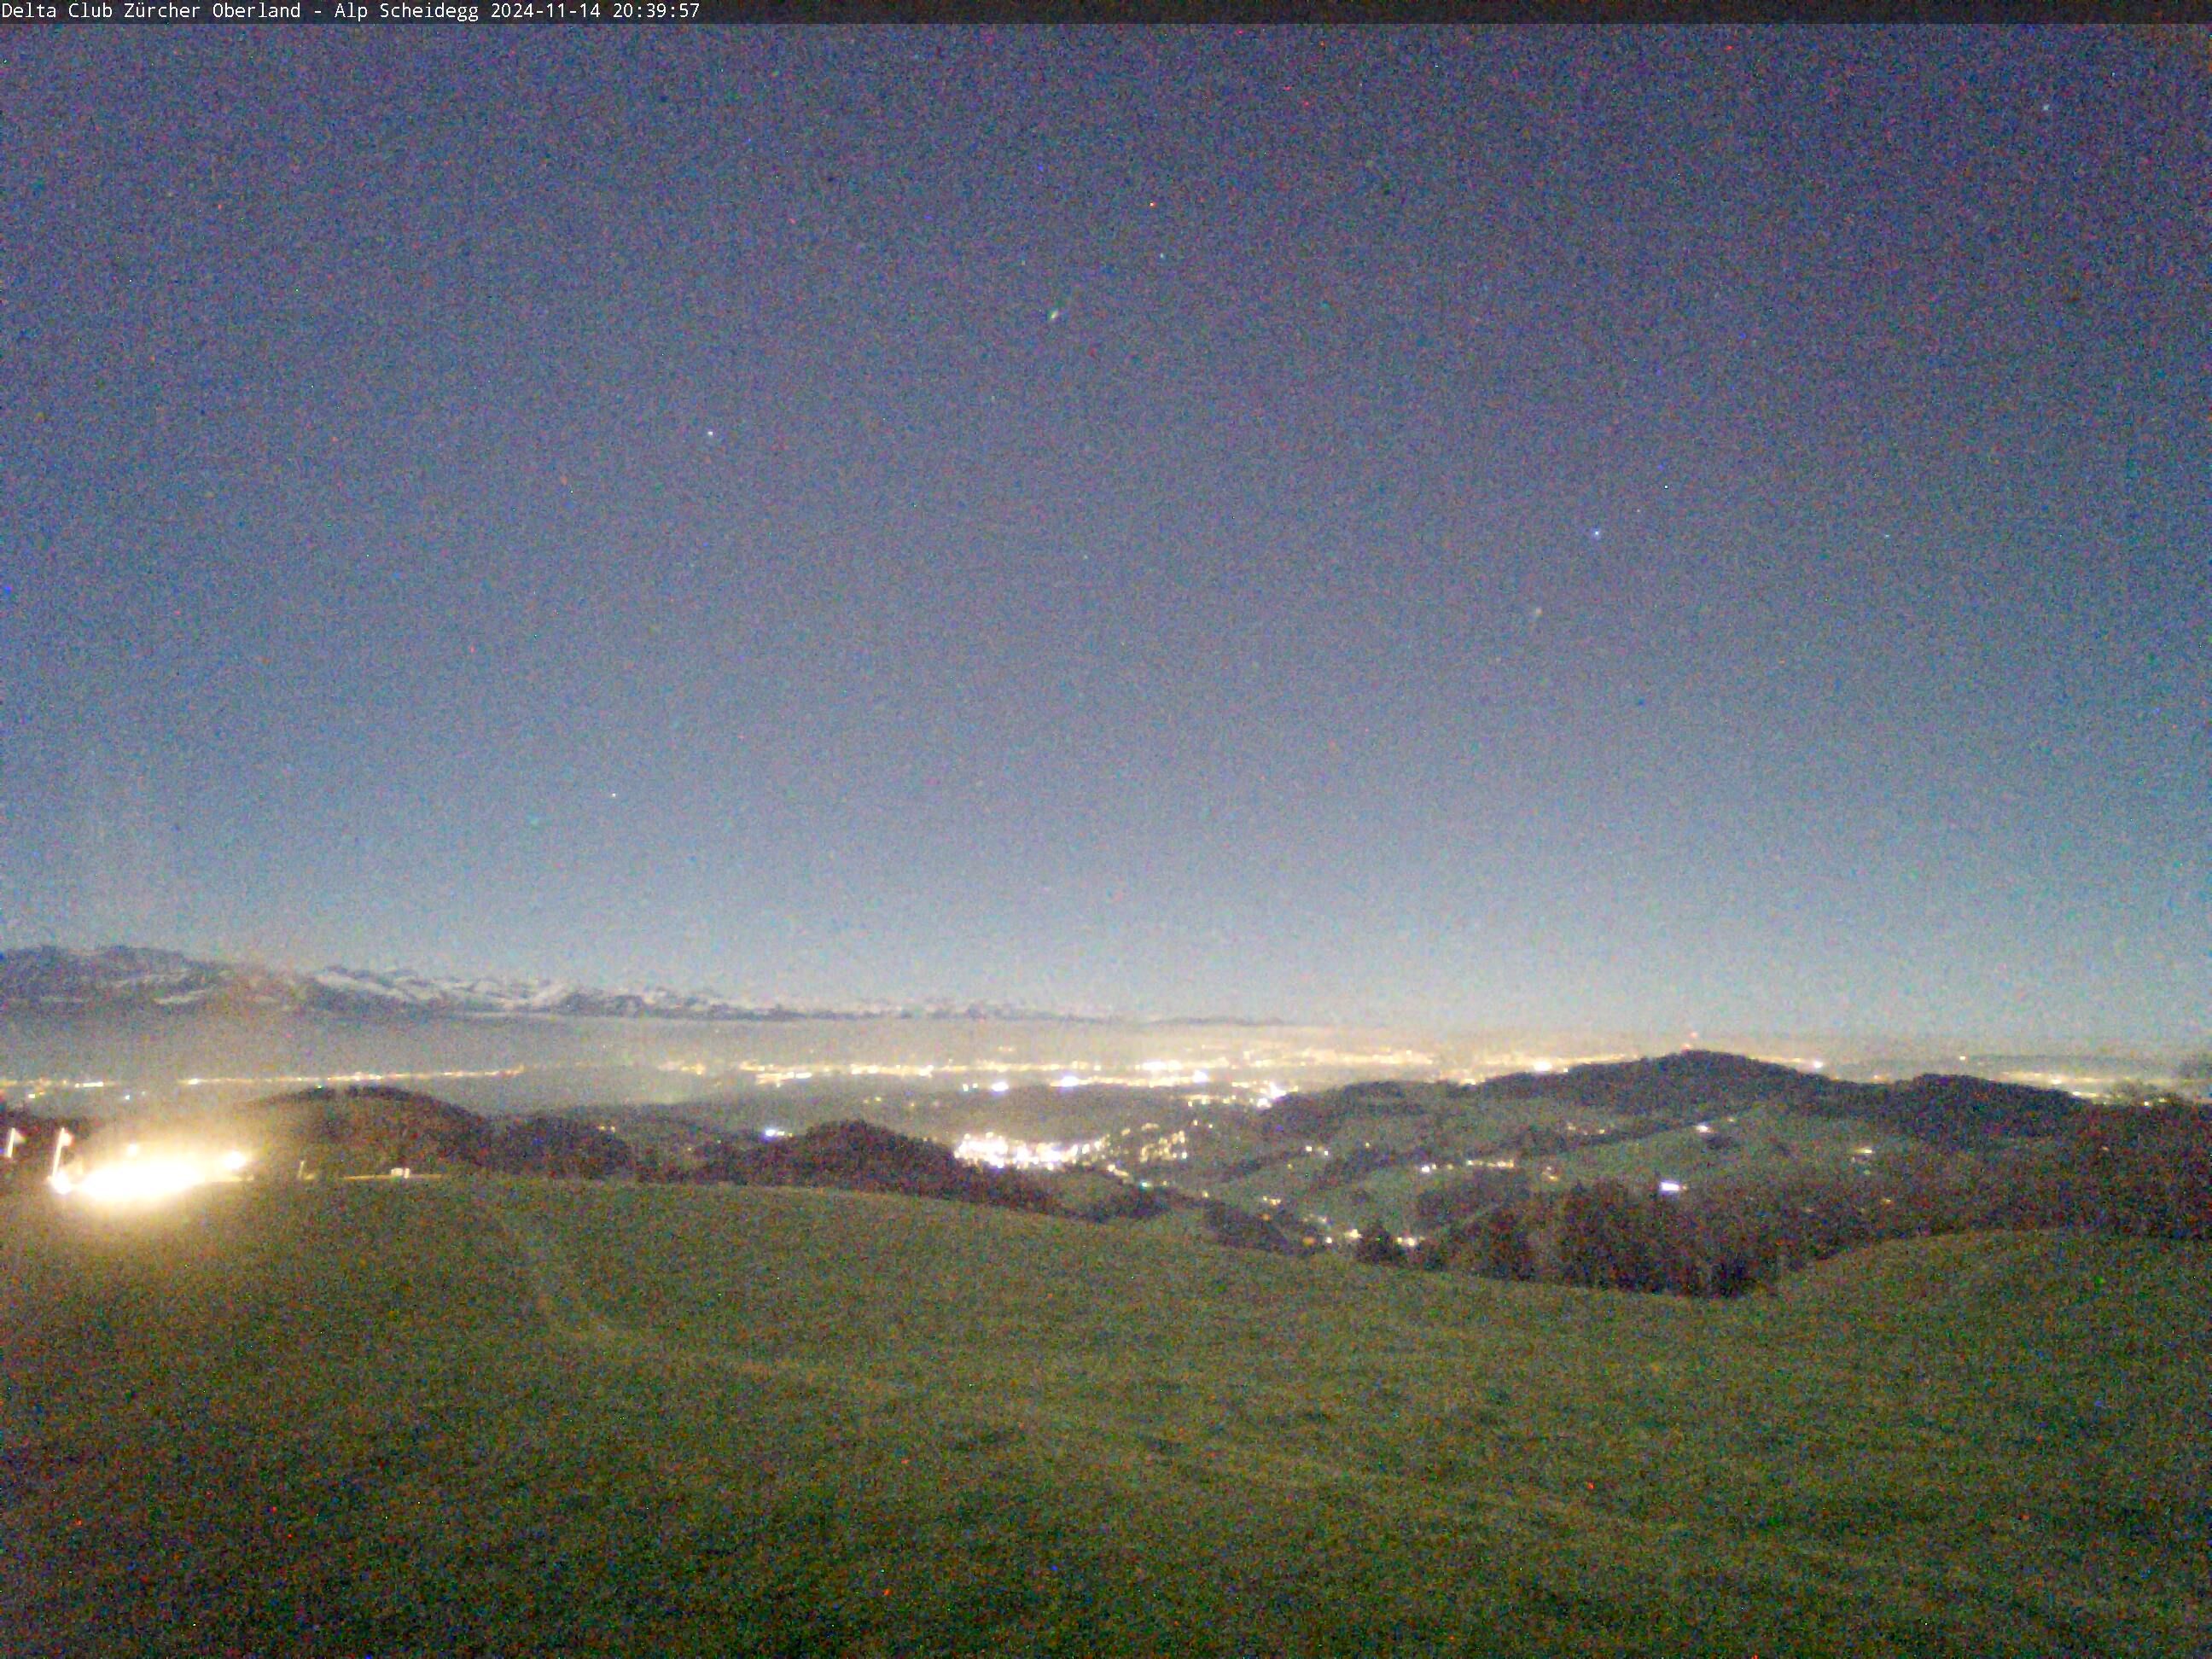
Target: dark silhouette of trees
point(1126, 1201)
point(1241, 1229)
point(861, 1156)
point(1377, 1246)
point(1351, 1164)
point(2145, 1167)
point(1500, 1247)
point(559, 1148)
point(1318, 1117)
point(2143, 1170)
point(1468, 1196)
point(377, 1123)
point(1612, 1238)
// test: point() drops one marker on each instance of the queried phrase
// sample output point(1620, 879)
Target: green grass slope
point(529, 1419)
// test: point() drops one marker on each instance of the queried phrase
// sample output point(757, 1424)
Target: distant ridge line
point(115, 979)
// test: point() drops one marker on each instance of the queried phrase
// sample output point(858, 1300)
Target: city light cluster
point(1000, 1153)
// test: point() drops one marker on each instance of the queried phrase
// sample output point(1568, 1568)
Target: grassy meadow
point(486, 1418)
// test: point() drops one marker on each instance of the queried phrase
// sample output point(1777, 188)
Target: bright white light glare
point(140, 1178)
point(1001, 1086)
point(134, 1180)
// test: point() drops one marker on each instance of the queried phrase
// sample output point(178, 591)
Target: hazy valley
point(421, 1328)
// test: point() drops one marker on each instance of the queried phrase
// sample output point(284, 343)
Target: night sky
point(1650, 529)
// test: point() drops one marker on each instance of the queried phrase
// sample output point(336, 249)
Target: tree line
point(2140, 1167)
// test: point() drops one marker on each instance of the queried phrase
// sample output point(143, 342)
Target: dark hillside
point(560, 1148)
point(1318, 1117)
point(1674, 1087)
point(1952, 1112)
point(863, 1158)
point(1240, 1230)
point(1957, 1112)
point(377, 1121)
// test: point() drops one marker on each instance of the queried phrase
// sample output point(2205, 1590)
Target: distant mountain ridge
point(124, 979)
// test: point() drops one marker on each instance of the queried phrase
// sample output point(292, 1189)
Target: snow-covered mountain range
point(122, 979)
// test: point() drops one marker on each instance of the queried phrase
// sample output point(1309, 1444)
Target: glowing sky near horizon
point(1639, 529)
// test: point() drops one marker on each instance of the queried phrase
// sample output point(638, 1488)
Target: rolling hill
point(497, 1417)
point(1407, 1152)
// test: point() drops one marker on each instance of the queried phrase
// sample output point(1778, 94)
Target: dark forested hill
point(865, 1157)
point(1674, 1085)
point(1423, 1154)
point(397, 1126)
point(1670, 1090)
point(1959, 1113)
